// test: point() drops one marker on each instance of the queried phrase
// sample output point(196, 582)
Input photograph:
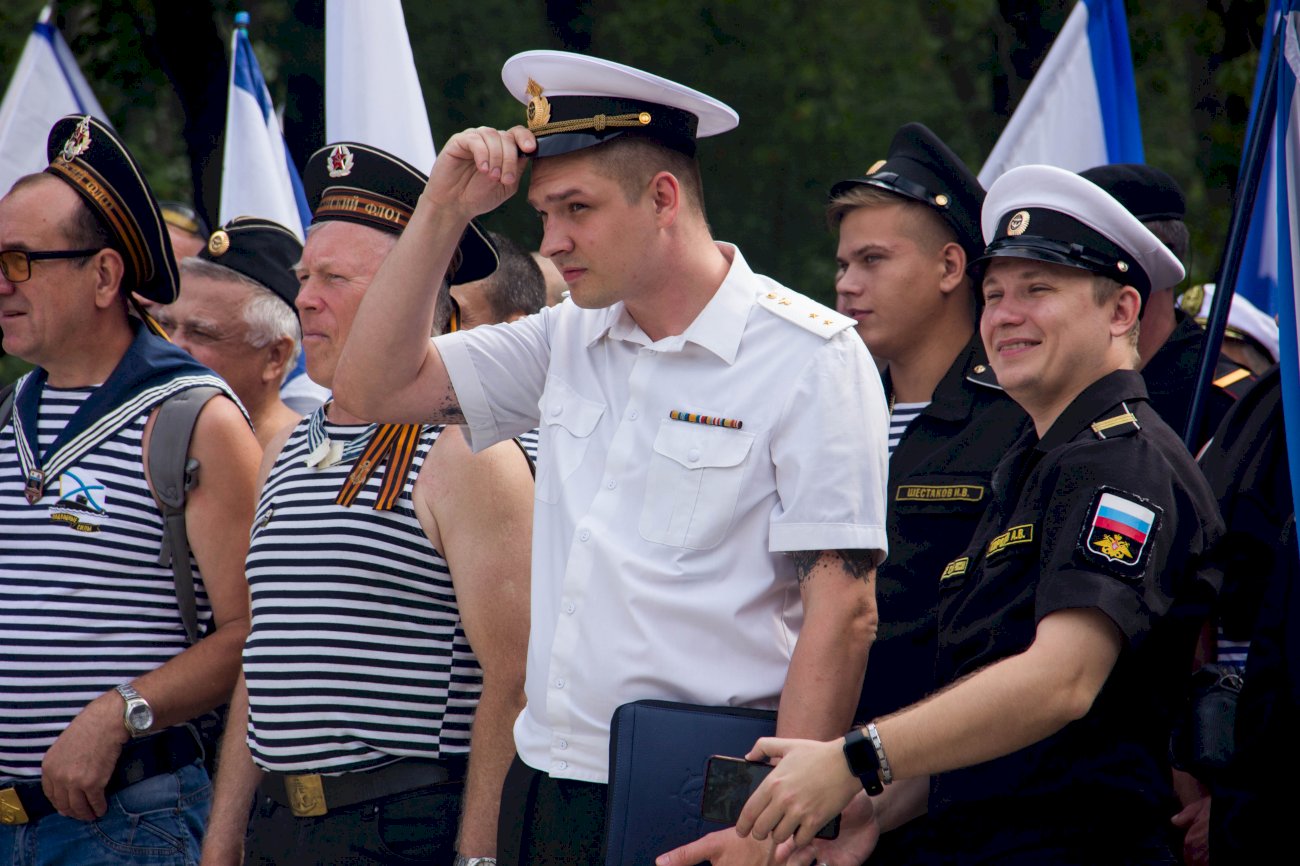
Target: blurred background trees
point(820, 88)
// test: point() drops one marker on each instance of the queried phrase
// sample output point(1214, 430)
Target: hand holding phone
point(728, 784)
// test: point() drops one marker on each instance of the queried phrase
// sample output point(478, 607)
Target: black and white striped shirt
point(900, 417)
point(357, 655)
point(84, 604)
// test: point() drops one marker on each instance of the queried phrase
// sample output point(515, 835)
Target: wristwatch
point(138, 717)
point(462, 860)
point(863, 761)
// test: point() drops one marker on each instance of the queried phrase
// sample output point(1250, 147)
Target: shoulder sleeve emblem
point(1119, 531)
point(803, 311)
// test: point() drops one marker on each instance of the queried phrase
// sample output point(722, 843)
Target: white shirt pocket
point(693, 484)
point(568, 420)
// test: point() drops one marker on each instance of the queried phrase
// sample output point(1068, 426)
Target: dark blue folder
point(657, 756)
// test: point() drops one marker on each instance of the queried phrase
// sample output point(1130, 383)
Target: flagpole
point(1257, 142)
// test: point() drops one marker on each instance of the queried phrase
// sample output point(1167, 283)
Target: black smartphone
point(728, 782)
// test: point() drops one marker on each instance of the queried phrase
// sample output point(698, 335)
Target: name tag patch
point(1022, 534)
point(955, 568)
point(939, 493)
point(1120, 529)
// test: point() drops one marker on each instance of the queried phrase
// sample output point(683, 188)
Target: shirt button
point(633, 415)
point(611, 484)
point(556, 410)
point(584, 535)
point(559, 684)
point(693, 455)
point(563, 765)
point(562, 744)
point(570, 608)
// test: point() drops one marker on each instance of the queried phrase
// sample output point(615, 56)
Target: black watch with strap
point(863, 761)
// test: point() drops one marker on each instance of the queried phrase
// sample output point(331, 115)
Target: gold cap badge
point(77, 143)
point(941, 200)
point(218, 243)
point(1018, 224)
point(539, 107)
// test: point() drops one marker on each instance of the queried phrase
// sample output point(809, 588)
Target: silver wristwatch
point(138, 717)
point(462, 860)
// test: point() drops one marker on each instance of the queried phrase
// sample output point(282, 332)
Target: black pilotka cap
point(1148, 193)
point(575, 101)
point(361, 184)
point(922, 168)
point(88, 156)
point(261, 250)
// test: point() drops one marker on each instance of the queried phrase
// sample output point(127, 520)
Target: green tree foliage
point(820, 88)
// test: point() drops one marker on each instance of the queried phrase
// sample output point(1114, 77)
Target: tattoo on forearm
point(860, 564)
point(449, 411)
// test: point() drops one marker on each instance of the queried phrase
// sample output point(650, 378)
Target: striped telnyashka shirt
point(357, 655)
point(902, 415)
point(84, 604)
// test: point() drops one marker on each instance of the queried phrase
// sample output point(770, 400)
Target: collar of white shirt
point(719, 326)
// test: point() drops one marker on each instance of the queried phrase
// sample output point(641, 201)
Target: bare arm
point(237, 775)
point(481, 507)
point(236, 783)
point(405, 381)
point(218, 514)
point(1007, 706)
point(825, 677)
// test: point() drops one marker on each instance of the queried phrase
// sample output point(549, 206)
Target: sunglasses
point(17, 264)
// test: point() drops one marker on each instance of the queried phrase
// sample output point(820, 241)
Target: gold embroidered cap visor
point(357, 183)
point(86, 154)
point(574, 101)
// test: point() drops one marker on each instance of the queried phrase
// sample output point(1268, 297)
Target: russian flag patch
point(1120, 529)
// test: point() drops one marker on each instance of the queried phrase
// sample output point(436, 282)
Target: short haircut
point(1174, 235)
point(932, 230)
point(268, 317)
point(517, 286)
point(632, 160)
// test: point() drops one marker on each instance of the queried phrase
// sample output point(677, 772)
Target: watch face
point(141, 717)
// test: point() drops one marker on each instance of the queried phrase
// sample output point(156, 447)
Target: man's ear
point(954, 267)
point(666, 195)
point(109, 270)
point(1124, 314)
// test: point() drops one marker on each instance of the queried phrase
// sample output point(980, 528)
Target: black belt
point(174, 748)
point(311, 795)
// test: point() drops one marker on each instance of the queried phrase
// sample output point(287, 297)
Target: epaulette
point(1233, 379)
point(1124, 423)
point(804, 312)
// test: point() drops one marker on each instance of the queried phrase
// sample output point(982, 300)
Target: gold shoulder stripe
point(1232, 378)
point(1102, 426)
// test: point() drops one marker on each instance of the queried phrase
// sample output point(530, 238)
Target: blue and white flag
point(46, 85)
point(372, 94)
point(258, 177)
point(1081, 108)
point(1286, 199)
point(1257, 280)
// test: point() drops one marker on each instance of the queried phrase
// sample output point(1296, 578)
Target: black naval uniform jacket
point(1108, 511)
point(1248, 467)
point(1171, 379)
point(938, 489)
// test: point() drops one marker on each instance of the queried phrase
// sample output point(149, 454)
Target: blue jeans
point(157, 822)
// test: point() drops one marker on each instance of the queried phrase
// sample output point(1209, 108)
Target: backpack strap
point(173, 473)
